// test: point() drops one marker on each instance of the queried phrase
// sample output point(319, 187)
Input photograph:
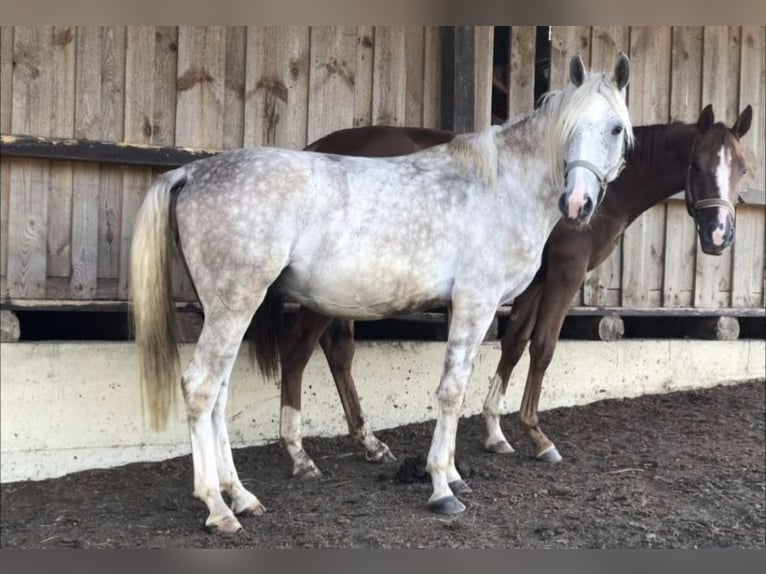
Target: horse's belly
point(360, 298)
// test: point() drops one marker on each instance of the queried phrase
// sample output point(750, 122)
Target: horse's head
point(716, 166)
point(595, 127)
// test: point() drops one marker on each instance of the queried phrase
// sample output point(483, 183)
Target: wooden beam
point(98, 151)
point(458, 78)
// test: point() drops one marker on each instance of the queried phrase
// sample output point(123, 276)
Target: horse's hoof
point(254, 509)
point(226, 526)
point(307, 473)
point(500, 447)
point(459, 487)
point(550, 454)
point(382, 455)
point(447, 505)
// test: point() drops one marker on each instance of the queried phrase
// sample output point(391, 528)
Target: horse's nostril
point(587, 209)
point(563, 203)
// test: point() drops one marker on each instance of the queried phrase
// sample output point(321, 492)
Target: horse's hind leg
point(297, 348)
point(210, 366)
point(521, 324)
point(338, 346)
point(242, 501)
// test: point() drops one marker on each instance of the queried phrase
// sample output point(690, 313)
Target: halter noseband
point(695, 205)
point(601, 177)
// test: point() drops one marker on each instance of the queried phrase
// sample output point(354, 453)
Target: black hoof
point(459, 487)
point(447, 505)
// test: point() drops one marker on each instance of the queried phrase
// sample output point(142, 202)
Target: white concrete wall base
point(66, 407)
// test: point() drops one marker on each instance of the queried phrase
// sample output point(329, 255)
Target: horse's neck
point(522, 161)
point(656, 169)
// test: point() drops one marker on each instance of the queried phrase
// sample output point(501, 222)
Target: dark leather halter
point(694, 205)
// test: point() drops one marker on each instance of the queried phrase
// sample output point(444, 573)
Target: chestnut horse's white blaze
point(722, 177)
point(462, 223)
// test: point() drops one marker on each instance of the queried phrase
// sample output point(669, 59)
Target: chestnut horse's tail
point(151, 292)
point(264, 335)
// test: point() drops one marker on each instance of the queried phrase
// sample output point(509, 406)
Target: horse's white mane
point(478, 152)
point(563, 108)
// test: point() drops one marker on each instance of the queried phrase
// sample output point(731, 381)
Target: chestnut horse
point(704, 159)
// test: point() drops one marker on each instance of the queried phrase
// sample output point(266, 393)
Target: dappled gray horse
point(462, 223)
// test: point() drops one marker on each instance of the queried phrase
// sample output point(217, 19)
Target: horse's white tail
point(151, 290)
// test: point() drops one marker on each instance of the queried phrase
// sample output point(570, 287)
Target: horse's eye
point(744, 171)
point(617, 130)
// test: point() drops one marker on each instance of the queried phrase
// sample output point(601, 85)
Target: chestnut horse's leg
point(297, 348)
point(556, 298)
point(338, 346)
point(519, 330)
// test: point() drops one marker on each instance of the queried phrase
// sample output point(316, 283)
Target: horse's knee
point(200, 399)
point(541, 353)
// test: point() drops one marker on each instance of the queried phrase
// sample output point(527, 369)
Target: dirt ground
point(681, 470)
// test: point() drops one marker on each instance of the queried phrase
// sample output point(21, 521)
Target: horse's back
point(379, 141)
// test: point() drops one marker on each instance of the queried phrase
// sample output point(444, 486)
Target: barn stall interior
point(89, 115)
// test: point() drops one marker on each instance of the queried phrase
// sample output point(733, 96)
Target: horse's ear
point(622, 71)
point(706, 119)
point(577, 70)
point(742, 124)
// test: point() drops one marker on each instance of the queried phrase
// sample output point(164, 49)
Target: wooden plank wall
point(675, 71)
point(65, 227)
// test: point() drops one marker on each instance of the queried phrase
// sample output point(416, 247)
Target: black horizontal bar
point(98, 151)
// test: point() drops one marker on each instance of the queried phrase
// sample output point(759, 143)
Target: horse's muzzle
point(711, 247)
point(575, 214)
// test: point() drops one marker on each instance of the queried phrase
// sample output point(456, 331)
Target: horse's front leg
point(471, 317)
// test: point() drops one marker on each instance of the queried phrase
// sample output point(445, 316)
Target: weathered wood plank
point(200, 86)
point(389, 97)
point(685, 105)
point(602, 284)
point(566, 41)
point(277, 86)
point(749, 268)
point(458, 75)
point(643, 242)
point(234, 87)
point(113, 47)
point(720, 69)
point(165, 97)
point(484, 38)
point(86, 178)
point(331, 80)
point(363, 84)
point(414, 66)
point(62, 125)
point(6, 107)
point(521, 73)
point(749, 246)
point(432, 78)
point(36, 96)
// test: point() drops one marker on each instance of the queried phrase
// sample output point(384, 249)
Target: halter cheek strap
point(694, 205)
point(600, 176)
